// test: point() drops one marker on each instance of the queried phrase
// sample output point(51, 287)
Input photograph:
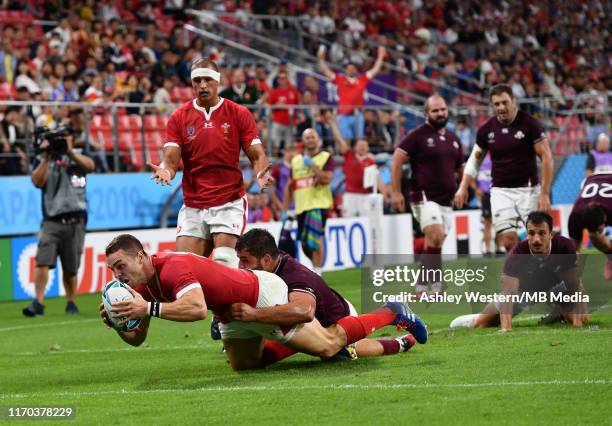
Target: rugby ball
point(116, 291)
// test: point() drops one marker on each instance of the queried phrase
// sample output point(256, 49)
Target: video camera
point(58, 145)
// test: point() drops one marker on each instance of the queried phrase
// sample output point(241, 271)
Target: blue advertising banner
point(126, 200)
point(24, 264)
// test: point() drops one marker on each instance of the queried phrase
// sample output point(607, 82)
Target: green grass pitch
point(533, 375)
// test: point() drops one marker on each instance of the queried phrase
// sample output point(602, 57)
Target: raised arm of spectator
point(333, 123)
point(380, 57)
point(324, 68)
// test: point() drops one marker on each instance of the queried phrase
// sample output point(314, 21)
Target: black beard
point(438, 124)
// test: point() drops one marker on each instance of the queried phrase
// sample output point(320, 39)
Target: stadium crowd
point(137, 51)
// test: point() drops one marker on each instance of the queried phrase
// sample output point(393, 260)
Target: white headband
point(205, 72)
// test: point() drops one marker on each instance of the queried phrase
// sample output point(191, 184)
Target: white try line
point(47, 324)
point(51, 351)
point(346, 387)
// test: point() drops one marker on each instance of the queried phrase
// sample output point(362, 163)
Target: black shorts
point(63, 240)
point(485, 206)
point(302, 217)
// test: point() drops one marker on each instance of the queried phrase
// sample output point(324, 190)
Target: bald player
point(436, 163)
point(515, 139)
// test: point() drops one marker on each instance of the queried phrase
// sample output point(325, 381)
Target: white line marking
point(126, 349)
point(47, 324)
point(310, 387)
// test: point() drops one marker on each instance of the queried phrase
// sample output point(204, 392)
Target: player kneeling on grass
point(544, 267)
point(310, 297)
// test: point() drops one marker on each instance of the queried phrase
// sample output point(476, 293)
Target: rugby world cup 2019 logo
point(190, 132)
point(26, 266)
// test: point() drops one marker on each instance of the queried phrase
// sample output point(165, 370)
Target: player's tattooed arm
point(542, 149)
point(397, 198)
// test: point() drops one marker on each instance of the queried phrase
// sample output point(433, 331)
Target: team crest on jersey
point(491, 135)
point(208, 125)
point(226, 127)
point(190, 131)
point(430, 142)
point(519, 135)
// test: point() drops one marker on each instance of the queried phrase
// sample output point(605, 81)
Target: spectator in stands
point(281, 172)
point(282, 130)
point(239, 91)
point(140, 92)
point(66, 91)
point(465, 135)
point(600, 158)
point(8, 61)
point(162, 96)
point(13, 159)
point(166, 68)
point(356, 200)
point(351, 88)
point(596, 125)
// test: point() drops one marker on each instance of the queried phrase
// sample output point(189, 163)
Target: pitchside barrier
point(346, 241)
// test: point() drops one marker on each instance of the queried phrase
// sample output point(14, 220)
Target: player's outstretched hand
point(461, 197)
point(544, 203)
point(160, 175)
point(243, 312)
point(135, 308)
point(397, 201)
point(264, 179)
point(104, 316)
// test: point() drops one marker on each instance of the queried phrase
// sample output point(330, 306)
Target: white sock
point(464, 321)
point(226, 256)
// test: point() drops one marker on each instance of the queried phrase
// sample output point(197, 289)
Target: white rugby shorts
point(511, 206)
point(229, 218)
point(272, 291)
point(431, 213)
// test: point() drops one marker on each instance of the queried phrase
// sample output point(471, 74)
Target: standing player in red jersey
point(514, 139)
point(207, 133)
point(184, 286)
point(436, 162)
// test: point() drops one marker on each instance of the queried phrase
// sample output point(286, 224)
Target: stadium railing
point(128, 135)
point(291, 41)
point(270, 45)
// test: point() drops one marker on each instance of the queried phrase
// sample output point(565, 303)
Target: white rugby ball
point(116, 291)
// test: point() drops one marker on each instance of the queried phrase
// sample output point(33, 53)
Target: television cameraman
point(59, 171)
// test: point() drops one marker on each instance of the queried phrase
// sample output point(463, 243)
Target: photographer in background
point(59, 171)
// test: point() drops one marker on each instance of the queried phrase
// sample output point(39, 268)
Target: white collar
point(207, 114)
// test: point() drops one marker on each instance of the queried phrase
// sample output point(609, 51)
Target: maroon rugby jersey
point(434, 158)
point(540, 273)
point(596, 188)
point(512, 151)
point(330, 305)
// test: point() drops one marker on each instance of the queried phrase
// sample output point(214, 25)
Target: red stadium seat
point(154, 122)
